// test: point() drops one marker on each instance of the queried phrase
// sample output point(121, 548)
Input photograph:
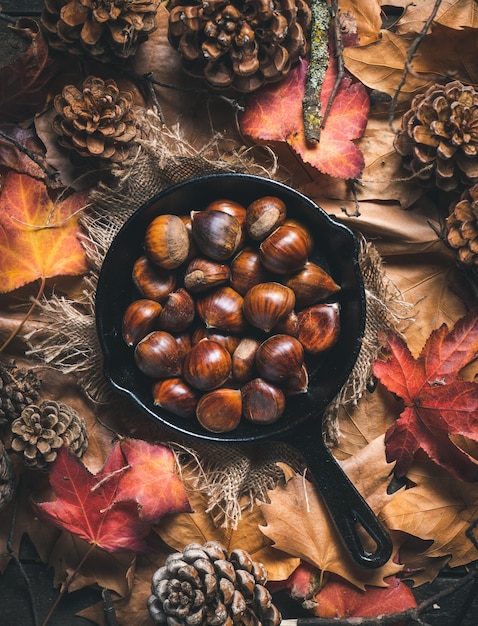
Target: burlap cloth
point(232, 477)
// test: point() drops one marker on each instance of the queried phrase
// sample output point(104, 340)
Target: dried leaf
point(179, 530)
point(437, 403)
point(38, 238)
point(315, 538)
point(274, 113)
point(453, 13)
point(437, 508)
point(367, 16)
point(12, 158)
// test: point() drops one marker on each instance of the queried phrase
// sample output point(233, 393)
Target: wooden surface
point(21, 7)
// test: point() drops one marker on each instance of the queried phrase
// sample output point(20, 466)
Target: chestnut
point(207, 365)
point(184, 343)
point(263, 216)
point(178, 311)
point(311, 284)
point(319, 327)
point(230, 342)
point(267, 303)
point(139, 320)
point(157, 355)
point(243, 359)
point(174, 395)
point(288, 325)
point(262, 402)
point(228, 206)
point(247, 270)
point(218, 235)
point(166, 242)
point(286, 249)
point(193, 249)
point(220, 411)
point(222, 309)
point(279, 357)
point(152, 281)
point(298, 382)
point(203, 274)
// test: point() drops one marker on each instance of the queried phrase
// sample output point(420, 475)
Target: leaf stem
point(27, 316)
point(51, 173)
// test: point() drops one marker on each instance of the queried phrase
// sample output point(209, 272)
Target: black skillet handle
point(346, 506)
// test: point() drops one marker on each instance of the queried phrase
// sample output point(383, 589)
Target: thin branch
point(339, 55)
point(108, 608)
point(27, 315)
point(411, 53)
point(50, 172)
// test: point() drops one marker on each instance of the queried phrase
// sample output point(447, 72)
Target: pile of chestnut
point(229, 307)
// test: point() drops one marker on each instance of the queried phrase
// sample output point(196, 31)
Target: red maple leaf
point(104, 509)
point(274, 113)
point(438, 404)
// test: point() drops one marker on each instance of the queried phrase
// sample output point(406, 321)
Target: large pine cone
point(42, 430)
point(439, 136)
point(462, 229)
point(204, 586)
point(18, 389)
point(96, 119)
point(105, 29)
point(242, 44)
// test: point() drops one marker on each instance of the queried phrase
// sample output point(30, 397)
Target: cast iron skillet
point(301, 424)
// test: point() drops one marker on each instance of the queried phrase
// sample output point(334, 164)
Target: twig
point(108, 608)
point(319, 60)
point(37, 158)
point(27, 315)
point(411, 53)
point(339, 55)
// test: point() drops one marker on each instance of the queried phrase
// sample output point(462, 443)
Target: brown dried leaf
point(367, 15)
point(453, 13)
point(315, 539)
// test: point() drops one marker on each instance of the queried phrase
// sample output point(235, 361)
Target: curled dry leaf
point(315, 539)
point(456, 14)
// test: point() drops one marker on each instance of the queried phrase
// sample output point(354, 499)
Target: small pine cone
point(41, 430)
point(241, 45)
point(204, 586)
point(7, 478)
point(96, 119)
point(462, 228)
point(104, 29)
point(439, 137)
point(18, 389)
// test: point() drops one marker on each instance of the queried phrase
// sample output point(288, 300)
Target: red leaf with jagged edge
point(274, 113)
point(338, 598)
point(151, 480)
point(438, 404)
point(104, 509)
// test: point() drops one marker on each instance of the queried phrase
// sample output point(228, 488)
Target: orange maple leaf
point(38, 237)
point(274, 113)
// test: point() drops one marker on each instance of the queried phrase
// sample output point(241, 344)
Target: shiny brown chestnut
point(247, 270)
point(311, 284)
point(228, 206)
point(220, 411)
point(139, 319)
point(287, 248)
point(297, 383)
point(230, 342)
point(243, 359)
point(288, 325)
point(178, 311)
point(217, 234)
point(184, 343)
point(174, 395)
point(203, 274)
point(193, 249)
point(319, 327)
point(279, 357)
point(157, 355)
point(207, 365)
point(166, 242)
point(222, 309)
point(152, 281)
point(262, 402)
point(263, 216)
point(268, 303)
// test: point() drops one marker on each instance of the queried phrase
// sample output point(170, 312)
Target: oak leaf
point(315, 539)
point(437, 508)
point(199, 526)
point(274, 113)
point(39, 238)
point(453, 13)
point(104, 509)
point(438, 404)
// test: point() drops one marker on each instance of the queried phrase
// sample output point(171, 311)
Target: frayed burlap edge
point(231, 476)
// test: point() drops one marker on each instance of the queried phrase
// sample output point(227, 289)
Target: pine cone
point(18, 389)
point(240, 45)
point(439, 136)
point(7, 478)
point(96, 119)
point(41, 430)
point(462, 228)
point(204, 586)
point(104, 29)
